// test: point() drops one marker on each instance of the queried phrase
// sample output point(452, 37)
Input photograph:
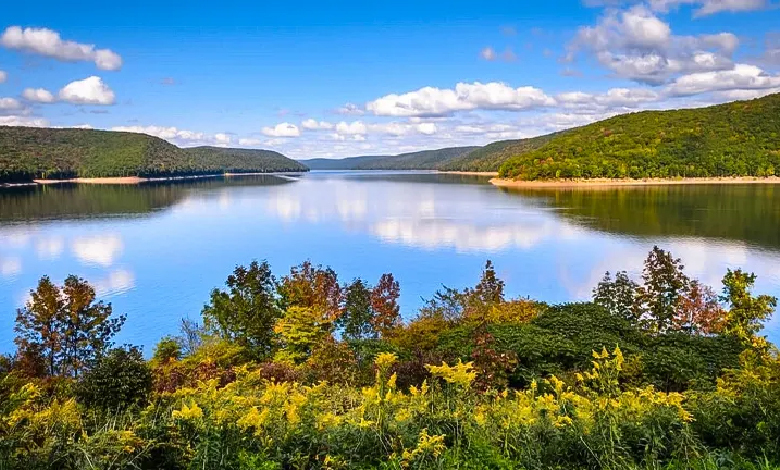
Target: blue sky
point(340, 79)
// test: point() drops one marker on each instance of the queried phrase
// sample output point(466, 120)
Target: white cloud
point(248, 142)
point(488, 53)
point(23, 121)
point(100, 249)
point(284, 129)
point(49, 43)
point(431, 101)
point(426, 128)
point(39, 95)
point(350, 108)
point(3, 76)
point(353, 128)
point(638, 45)
point(613, 98)
point(222, 139)
point(742, 77)
point(709, 7)
point(10, 104)
point(91, 90)
point(312, 124)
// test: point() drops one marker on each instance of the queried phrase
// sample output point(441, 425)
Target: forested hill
point(734, 139)
point(28, 153)
point(424, 160)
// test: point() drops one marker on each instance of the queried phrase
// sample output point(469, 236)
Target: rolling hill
point(741, 138)
point(28, 153)
point(424, 160)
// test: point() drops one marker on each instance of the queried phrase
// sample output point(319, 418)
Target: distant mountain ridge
point(28, 153)
point(423, 160)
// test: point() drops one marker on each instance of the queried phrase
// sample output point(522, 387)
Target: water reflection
point(155, 251)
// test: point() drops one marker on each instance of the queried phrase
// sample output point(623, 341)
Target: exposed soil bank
point(476, 173)
point(608, 182)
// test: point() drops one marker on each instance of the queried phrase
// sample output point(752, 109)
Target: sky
point(347, 78)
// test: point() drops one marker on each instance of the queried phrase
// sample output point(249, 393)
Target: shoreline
point(473, 173)
point(123, 180)
point(609, 182)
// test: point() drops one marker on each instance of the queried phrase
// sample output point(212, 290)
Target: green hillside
point(734, 139)
point(28, 153)
point(424, 160)
point(490, 157)
point(230, 160)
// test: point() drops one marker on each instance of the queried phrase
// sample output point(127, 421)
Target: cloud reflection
point(101, 249)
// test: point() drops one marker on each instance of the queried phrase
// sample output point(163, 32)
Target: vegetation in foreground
point(28, 153)
point(306, 372)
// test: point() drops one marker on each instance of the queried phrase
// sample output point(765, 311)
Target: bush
point(120, 380)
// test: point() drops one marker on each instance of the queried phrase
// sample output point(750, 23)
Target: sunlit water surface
point(155, 251)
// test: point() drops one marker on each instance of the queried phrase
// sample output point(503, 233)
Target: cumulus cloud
point(426, 128)
point(284, 129)
point(26, 121)
point(351, 128)
point(178, 136)
point(312, 124)
point(91, 90)
point(431, 101)
point(39, 95)
point(48, 43)
point(638, 45)
point(614, 98)
point(10, 104)
point(3, 76)
point(742, 77)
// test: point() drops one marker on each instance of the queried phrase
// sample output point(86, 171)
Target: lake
point(156, 250)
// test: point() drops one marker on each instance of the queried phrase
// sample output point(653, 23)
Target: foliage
point(733, 139)
point(28, 153)
point(65, 327)
point(746, 313)
point(119, 380)
point(247, 313)
point(475, 381)
point(423, 160)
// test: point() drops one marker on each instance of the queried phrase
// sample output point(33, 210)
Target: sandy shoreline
point(608, 182)
point(139, 180)
point(475, 173)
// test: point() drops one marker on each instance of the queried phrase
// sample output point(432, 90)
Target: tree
point(119, 380)
point(300, 330)
point(619, 297)
point(699, 311)
point(488, 293)
point(65, 326)
point(309, 286)
point(746, 313)
point(246, 313)
point(384, 302)
point(664, 286)
point(357, 315)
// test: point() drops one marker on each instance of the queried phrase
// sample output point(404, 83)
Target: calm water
point(155, 251)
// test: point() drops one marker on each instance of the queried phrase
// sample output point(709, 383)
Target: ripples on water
point(156, 250)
